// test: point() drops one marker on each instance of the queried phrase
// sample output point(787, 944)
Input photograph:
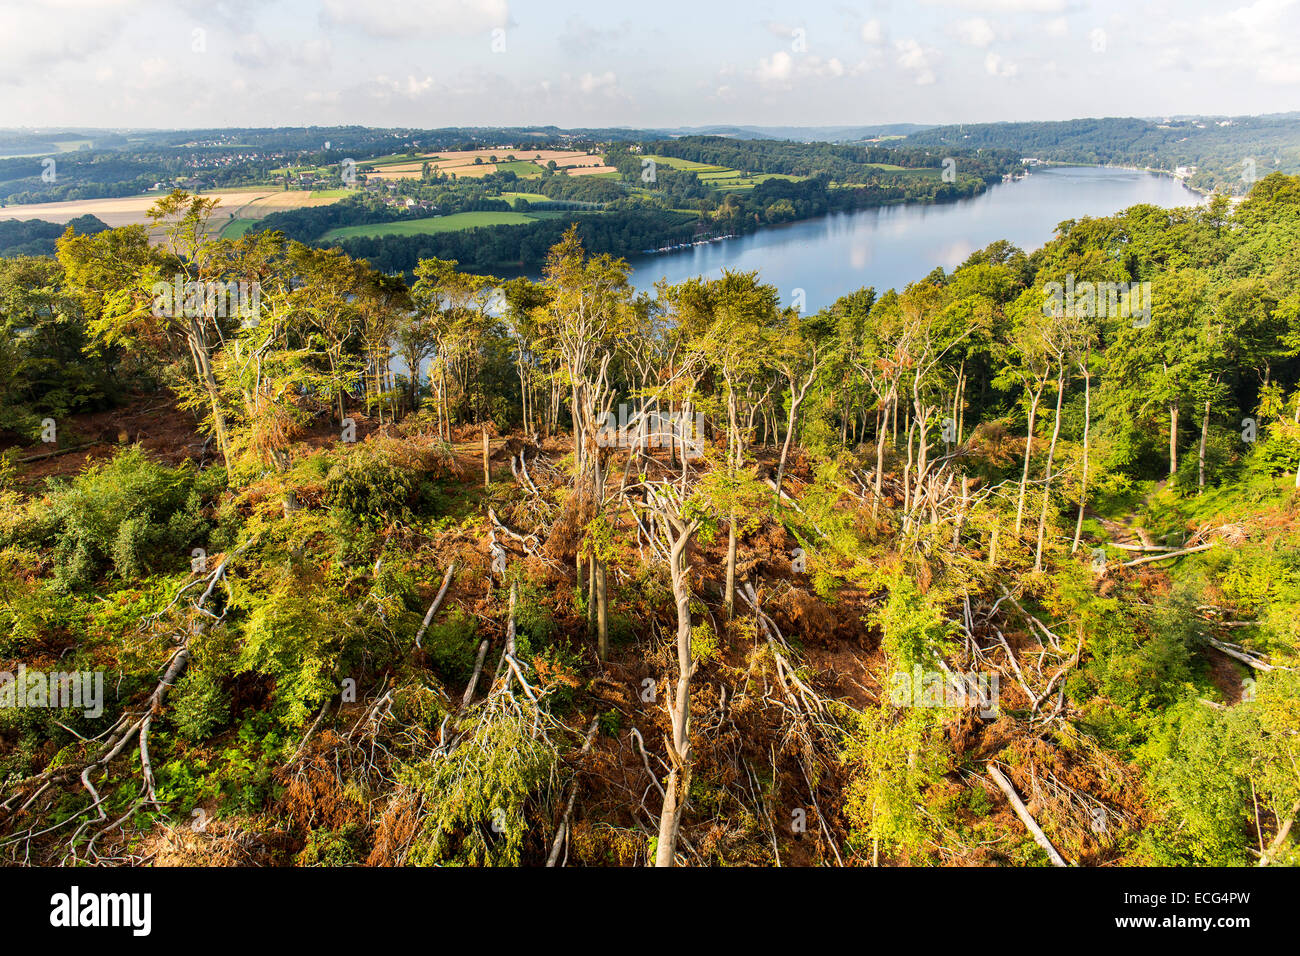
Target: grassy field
point(526, 197)
point(723, 178)
point(521, 168)
point(687, 165)
point(726, 179)
point(735, 182)
point(433, 224)
point(235, 228)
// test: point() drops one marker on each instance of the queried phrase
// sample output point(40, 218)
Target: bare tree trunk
point(670, 821)
point(591, 592)
point(961, 405)
point(731, 565)
point(199, 348)
point(679, 708)
point(1083, 488)
point(487, 468)
point(795, 401)
point(1047, 477)
point(907, 474)
point(602, 613)
point(1029, 448)
point(523, 400)
point(785, 449)
point(735, 455)
point(1200, 457)
point(1021, 811)
point(446, 402)
point(960, 523)
point(1173, 439)
point(882, 421)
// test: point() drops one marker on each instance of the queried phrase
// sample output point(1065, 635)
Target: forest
point(627, 216)
point(1228, 153)
point(330, 566)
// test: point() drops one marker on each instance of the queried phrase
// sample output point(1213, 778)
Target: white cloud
point(581, 38)
point(153, 67)
point(777, 68)
point(47, 33)
point(401, 18)
point(411, 87)
point(976, 32)
point(590, 83)
point(1257, 37)
point(253, 51)
point(1279, 72)
point(1002, 6)
point(994, 65)
point(916, 60)
point(130, 62)
point(780, 70)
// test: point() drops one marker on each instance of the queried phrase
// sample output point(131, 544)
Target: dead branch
point(437, 601)
point(1018, 805)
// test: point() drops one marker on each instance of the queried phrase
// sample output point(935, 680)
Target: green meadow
point(431, 225)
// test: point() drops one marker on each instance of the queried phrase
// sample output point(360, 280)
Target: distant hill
point(805, 134)
point(1227, 152)
point(35, 237)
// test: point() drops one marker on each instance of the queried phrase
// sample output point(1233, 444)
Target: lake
point(890, 246)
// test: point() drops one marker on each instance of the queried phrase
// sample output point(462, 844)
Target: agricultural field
point(734, 180)
point(523, 168)
point(525, 163)
point(529, 198)
point(248, 204)
point(235, 228)
point(719, 177)
point(433, 224)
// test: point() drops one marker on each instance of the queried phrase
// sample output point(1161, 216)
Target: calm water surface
point(894, 245)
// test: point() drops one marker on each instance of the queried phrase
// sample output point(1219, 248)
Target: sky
point(653, 63)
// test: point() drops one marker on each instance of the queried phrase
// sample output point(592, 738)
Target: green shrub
point(198, 706)
point(1195, 761)
point(452, 645)
point(916, 632)
point(374, 485)
point(132, 514)
point(341, 847)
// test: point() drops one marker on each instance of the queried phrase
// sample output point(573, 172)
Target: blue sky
point(429, 63)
